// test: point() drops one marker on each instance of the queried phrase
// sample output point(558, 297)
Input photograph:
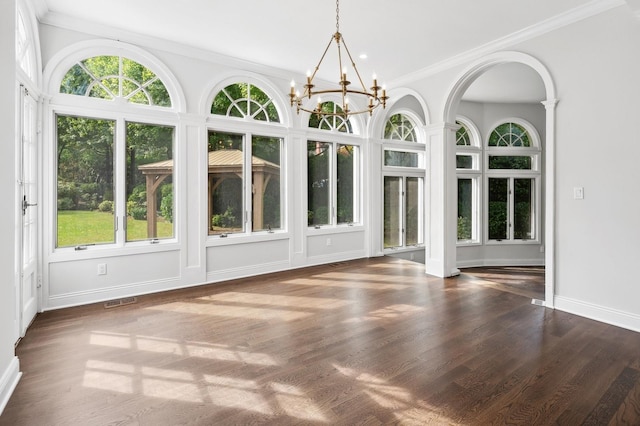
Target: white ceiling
point(400, 37)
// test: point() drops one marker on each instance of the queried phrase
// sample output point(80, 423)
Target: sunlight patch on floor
point(223, 310)
point(405, 408)
point(296, 405)
point(174, 347)
point(110, 376)
point(388, 312)
point(345, 283)
point(279, 300)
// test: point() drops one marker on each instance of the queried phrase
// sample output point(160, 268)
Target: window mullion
point(247, 182)
point(119, 156)
point(511, 208)
point(333, 187)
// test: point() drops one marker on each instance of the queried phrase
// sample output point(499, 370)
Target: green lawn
point(77, 227)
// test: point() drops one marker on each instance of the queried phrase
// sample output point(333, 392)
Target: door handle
point(26, 204)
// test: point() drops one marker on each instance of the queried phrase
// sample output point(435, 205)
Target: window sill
point(232, 239)
point(512, 242)
point(469, 243)
point(331, 229)
point(66, 254)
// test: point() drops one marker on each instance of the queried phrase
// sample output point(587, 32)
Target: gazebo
point(222, 164)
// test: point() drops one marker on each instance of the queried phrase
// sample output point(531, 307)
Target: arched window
point(25, 49)
point(115, 77)
point(512, 160)
point(468, 172)
point(115, 168)
point(244, 100)
point(400, 127)
point(334, 122)
point(231, 152)
point(403, 170)
point(509, 135)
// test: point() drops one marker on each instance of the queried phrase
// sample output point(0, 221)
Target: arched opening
point(498, 87)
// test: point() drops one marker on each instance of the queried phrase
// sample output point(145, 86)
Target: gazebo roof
point(228, 159)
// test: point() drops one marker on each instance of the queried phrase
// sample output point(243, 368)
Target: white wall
point(596, 65)
point(9, 366)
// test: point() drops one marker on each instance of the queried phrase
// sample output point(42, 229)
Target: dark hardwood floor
point(365, 342)
point(526, 281)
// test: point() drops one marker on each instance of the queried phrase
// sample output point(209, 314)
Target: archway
point(454, 97)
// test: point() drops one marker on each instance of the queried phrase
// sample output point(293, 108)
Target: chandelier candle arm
point(372, 97)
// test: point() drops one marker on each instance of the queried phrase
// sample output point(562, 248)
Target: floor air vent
point(537, 302)
point(120, 302)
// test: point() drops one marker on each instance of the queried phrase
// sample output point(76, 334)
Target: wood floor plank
point(372, 342)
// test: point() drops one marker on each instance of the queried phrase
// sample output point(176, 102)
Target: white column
point(550, 201)
point(441, 193)
point(190, 196)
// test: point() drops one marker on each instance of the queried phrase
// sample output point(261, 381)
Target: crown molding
point(594, 7)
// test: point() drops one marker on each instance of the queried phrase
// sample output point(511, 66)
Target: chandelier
point(374, 97)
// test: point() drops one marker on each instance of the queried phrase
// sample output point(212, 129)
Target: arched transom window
point(244, 100)
point(334, 122)
point(509, 135)
point(115, 77)
point(25, 51)
point(400, 127)
point(462, 135)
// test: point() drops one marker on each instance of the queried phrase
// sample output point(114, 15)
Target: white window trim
point(535, 152)
point(120, 246)
point(475, 150)
point(421, 213)
point(338, 138)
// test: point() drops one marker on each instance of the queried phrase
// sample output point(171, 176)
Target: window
point(332, 183)
point(403, 211)
point(330, 122)
point(244, 169)
point(115, 77)
point(333, 173)
point(25, 50)
point(87, 197)
point(468, 172)
point(114, 174)
point(513, 183)
point(244, 100)
point(401, 128)
point(403, 168)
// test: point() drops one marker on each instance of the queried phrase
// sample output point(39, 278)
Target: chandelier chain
point(337, 16)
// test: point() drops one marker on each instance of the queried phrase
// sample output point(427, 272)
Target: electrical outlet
point(102, 269)
point(328, 241)
point(578, 193)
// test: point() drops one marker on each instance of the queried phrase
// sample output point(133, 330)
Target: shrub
point(166, 205)
point(225, 220)
point(138, 213)
point(65, 203)
point(106, 206)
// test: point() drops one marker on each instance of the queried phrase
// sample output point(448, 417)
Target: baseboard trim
point(479, 263)
point(68, 300)
point(598, 313)
point(9, 381)
point(245, 272)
